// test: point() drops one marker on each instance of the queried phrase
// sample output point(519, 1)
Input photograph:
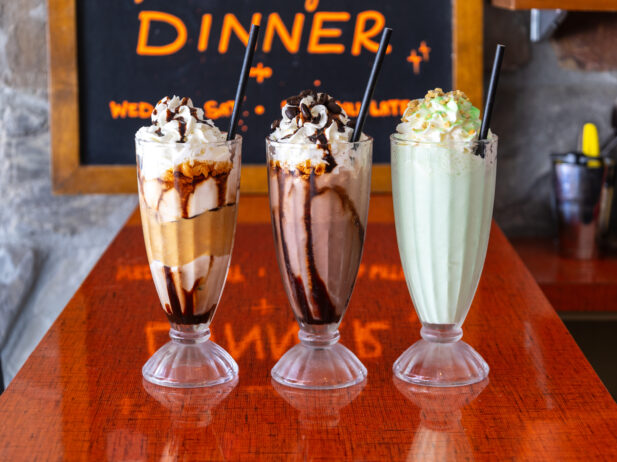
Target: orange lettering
point(212, 110)
point(318, 32)
point(145, 17)
point(204, 33)
point(260, 72)
point(289, 41)
point(311, 5)
point(133, 110)
point(238, 349)
point(145, 110)
point(235, 272)
point(367, 345)
point(415, 60)
point(386, 272)
point(118, 110)
point(362, 37)
point(372, 109)
point(152, 331)
point(125, 109)
point(123, 272)
point(231, 23)
point(393, 103)
point(403, 106)
point(278, 347)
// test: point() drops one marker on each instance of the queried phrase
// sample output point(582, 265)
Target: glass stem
point(321, 340)
point(441, 333)
point(189, 334)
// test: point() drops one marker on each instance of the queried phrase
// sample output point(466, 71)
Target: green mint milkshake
point(443, 186)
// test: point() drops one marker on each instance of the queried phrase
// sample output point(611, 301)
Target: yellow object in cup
point(590, 144)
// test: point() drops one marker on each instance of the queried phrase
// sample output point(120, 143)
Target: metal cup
point(583, 192)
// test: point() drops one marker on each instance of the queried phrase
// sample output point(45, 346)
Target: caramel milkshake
point(188, 190)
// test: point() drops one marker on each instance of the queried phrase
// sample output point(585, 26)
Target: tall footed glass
point(188, 196)
point(319, 220)
point(443, 203)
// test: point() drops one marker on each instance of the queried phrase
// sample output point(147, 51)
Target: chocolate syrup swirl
point(173, 309)
point(319, 294)
point(186, 185)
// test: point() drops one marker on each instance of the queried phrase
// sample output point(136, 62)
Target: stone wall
point(542, 104)
point(49, 243)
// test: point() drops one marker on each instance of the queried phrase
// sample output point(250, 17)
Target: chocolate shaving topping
point(333, 107)
point(293, 100)
point(322, 98)
point(295, 108)
point(306, 112)
point(340, 125)
point(291, 111)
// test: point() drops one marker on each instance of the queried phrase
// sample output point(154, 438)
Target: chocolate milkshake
point(188, 190)
point(319, 184)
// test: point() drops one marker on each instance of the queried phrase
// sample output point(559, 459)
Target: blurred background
point(48, 243)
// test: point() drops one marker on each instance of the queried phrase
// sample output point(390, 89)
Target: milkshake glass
point(188, 178)
point(443, 191)
point(319, 197)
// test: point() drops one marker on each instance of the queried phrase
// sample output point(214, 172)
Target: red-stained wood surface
point(80, 396)
point(569, 284)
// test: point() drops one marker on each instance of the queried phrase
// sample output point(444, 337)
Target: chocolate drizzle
point(319, 291)
point(185, 186)
point(174, 307)
point(296, 281)
point(171, 115)
point(319, 295)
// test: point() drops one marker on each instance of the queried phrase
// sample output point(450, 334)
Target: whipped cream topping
point(179, 133)
point(317, 130)
point(312, 117)
point(440, 117)
point(177, 120)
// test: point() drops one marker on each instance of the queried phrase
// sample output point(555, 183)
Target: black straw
point(244, 75)
point(370, 86)
point(492, 89)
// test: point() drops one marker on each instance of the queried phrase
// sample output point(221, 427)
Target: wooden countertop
point(81, 395)
point(570, 285)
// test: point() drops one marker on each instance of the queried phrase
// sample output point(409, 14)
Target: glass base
point(441, 359)
point(319, 363)
point(190, 360)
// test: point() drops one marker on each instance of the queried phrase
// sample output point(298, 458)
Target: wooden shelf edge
point(570, 5)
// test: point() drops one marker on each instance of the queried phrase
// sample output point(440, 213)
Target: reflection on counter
point(319, 419)
point(441, 435)
point(191, 412)
point(190, 405)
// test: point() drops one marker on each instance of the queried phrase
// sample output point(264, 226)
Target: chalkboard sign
point(121, 57)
